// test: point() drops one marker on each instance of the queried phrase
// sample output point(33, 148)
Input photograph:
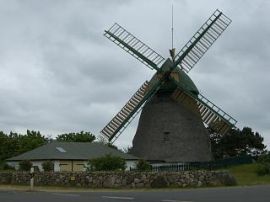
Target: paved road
point(239, 194)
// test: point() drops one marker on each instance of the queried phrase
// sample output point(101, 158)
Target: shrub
point(106, 163)
point(8, 167)
point(263, 167)
point(5, 166)
point(143, 165)
point(264, 158)
point(25, 165)
point(48, 166)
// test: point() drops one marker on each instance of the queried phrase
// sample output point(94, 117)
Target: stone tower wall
point(171, 132)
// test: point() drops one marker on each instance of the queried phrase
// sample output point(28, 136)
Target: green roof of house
point(70, 151)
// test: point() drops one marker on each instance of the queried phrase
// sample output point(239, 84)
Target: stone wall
point(122, 179)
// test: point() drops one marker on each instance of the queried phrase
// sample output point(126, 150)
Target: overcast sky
point(58, 73)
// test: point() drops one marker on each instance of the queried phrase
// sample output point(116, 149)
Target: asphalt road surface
point(239, 194)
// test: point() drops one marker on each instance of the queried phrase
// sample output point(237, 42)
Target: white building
point(70, 156)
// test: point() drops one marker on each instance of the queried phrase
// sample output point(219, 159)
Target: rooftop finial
point(172, 51)
point(172, 25)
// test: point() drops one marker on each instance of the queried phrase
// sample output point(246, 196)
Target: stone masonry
point(122, 179)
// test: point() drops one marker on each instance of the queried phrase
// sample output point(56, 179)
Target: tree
point(236, 143)
point(5, 166)
point(143, 165)
point(15, 144)
point(30, 141)
point(48, 166)
point(5, 147)
point(76, 137)
point(107, 163)
point(25, 165)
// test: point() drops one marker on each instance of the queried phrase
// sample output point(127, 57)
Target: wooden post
point(32, 179)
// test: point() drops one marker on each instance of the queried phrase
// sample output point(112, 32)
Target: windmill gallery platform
point(174, 117)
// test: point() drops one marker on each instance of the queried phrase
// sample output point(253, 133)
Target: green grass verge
point(246, 175)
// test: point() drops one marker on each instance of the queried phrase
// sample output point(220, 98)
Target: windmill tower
point(174, 114)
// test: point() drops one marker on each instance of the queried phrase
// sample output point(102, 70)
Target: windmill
point(174, 114)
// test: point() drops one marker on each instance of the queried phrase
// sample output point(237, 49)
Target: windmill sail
point(202, 40)
point(122, 119)
point(115, 125)
point(213, 116)
point(134, 46)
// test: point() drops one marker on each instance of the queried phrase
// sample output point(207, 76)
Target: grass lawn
point(246, 175)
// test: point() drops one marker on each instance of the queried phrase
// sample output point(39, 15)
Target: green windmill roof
point(186, 82)
point(181, 80)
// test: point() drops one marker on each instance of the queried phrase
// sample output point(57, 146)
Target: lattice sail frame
point(130, 110)
point(120, 119)
point(212, 115)
point(202, 40)
point(134, 46)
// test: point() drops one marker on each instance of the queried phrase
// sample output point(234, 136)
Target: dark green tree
point(143, 165)
point(5, 166)
point(107, 163)
point(6, 148)
point(25, 165)
point(15, 144)
point(48, 166)
point(30, 141)
point(236, 143)
point(76, 137)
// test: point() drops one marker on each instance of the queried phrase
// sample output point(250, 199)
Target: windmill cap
point(181, 80)
point(185, 81)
